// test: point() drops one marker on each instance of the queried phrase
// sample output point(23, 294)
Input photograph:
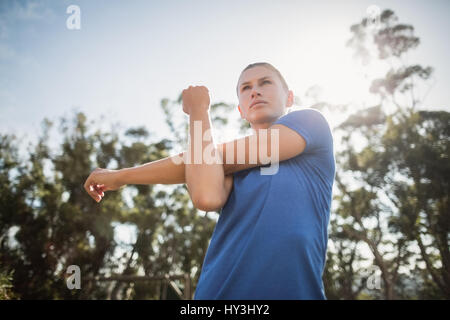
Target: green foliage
point(6, 287)
point(392, 197)
point(48, 222)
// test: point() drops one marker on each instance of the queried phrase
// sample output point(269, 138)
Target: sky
point(128, 55)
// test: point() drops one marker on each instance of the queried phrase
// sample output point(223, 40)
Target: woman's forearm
point(168, 170)
point(205, 175)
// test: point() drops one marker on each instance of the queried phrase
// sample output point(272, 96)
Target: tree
point(48, 222)
point(391, 194)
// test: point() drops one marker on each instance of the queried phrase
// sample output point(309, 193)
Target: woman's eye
point(247, 86)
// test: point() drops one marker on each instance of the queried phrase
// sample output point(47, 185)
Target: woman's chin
point(261, 116)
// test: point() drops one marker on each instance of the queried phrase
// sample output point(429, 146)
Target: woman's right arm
point(164, 171)
point(169, 170)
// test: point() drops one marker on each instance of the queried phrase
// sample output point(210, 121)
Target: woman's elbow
point(207, 202)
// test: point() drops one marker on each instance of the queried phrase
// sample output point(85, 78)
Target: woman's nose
point(255, 93)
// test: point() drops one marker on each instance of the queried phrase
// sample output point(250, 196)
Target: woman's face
point(260, 83)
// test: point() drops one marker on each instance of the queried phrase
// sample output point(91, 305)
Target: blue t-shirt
point(270, 240)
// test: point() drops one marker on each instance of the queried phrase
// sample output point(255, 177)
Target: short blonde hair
point(268, 66)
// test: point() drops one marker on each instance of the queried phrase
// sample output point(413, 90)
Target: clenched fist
point(101, 180)
point(195, 98)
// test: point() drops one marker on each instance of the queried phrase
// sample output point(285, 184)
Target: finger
point(94, 193)
point(89, 187)
point(90, 190)
point(93, 189)
point(100, 189)
point(97, 197)
point(86, 186)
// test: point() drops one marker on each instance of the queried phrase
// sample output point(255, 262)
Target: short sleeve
point(312, 126)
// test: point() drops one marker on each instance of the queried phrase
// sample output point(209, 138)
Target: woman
point(270, 240)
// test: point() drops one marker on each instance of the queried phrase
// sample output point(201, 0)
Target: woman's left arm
point(205, 177)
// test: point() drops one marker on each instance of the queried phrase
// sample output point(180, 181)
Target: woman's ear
point(240, 111)
point(290, 99)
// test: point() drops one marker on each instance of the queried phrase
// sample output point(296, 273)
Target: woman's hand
point(195, 98)
point(101, 180)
